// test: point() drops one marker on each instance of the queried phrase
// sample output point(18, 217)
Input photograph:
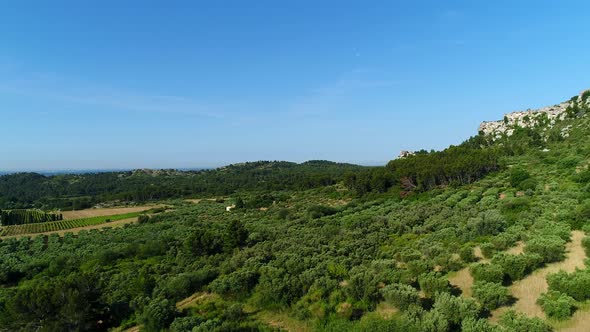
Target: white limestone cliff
point(531, 118)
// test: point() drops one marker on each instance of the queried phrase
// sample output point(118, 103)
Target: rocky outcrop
point(532, 118)
point(404, 154)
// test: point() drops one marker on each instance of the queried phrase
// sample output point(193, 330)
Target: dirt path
point(113, 224)
point(528, 290)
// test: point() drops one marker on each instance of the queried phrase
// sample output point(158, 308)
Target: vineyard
point(20, 217)
point(62, 224)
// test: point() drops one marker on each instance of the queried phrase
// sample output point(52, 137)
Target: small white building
point(229, 208)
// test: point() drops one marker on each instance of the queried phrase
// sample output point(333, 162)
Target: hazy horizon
point(148, 85)
point(180, 168)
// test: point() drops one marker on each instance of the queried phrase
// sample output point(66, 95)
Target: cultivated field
point(88, 213)
point(64, 226)
point(113, 224)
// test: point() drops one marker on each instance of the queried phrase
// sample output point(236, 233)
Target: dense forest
point(20, 217)
point(321, 246)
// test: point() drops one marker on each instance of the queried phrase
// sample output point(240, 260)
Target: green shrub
point(569, 162)
point(234, 284)
point(455, 309)
point(551, 248)
point(487, 249)
point(490, 295)
point(582, 213)
point(489, 222)
point(514, 322)
point(283, 214)
point(504, 240)
point(487, 272)
point(516, 204)
point(466, 254)
point(158, 315)
point(142, 219)
point(582, 177)
point(318, 211)
point(517, 267)
point(586, 245)
point(478, 325)
point(528, 184)
point(576, 284)
point(400, 295)
point(419, 267)
point(432, 283)
point(557, 305)
point(182, 324)
point(517, 176)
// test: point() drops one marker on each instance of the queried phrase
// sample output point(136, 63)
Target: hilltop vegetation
point(79, 191)
point(367, 251)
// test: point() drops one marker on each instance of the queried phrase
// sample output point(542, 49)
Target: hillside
point(78, 191)
point(435, 241)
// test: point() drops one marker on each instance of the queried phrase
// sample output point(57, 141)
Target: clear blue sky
point(129, 84)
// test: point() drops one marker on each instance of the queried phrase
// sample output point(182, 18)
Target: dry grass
point(516, 250)
point(199, 200)
point(386, 311)
point(580, 322)
point(479, 255)
point(283, 321)
point(194, 299)
point(528, 290)
point(87, 213)
point(463, 280)
point(194, 200)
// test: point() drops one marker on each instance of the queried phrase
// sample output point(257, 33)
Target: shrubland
point(325, 245)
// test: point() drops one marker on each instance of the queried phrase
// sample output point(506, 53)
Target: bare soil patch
point(87, 213)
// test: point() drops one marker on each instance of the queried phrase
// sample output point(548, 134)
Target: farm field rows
point(26, 229)
point(88, 213)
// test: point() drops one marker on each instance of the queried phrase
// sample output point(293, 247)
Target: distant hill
point(67, 191)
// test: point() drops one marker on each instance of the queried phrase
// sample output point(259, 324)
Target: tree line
point(20, 217)
point(78, 191)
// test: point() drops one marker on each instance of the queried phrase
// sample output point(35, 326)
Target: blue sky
point(129, 84)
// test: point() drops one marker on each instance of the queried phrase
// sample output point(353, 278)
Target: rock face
point(404, 154)
point(531, 118)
